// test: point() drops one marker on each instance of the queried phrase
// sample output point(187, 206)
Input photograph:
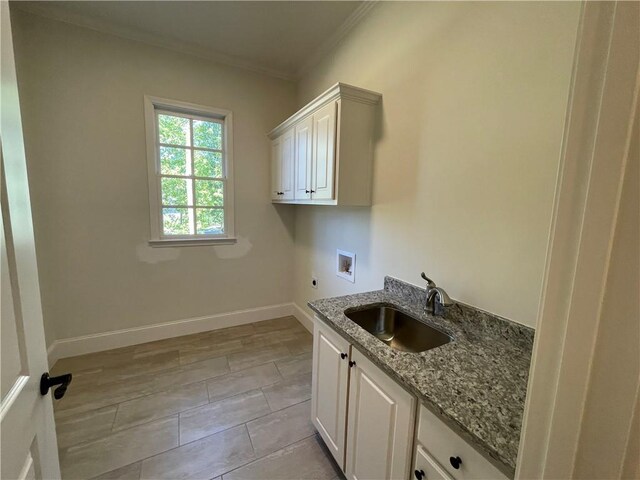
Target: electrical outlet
point(314, 282)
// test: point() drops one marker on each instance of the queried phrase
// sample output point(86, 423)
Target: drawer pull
point(419, 474)
point(455, 462)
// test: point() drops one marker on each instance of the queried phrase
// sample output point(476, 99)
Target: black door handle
point(455, 462)
point(46, 382)
point(419, 474)
point(352, 363)
point(343, 356)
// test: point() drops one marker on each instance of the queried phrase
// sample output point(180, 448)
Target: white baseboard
point(70, 347)
point(303, 317)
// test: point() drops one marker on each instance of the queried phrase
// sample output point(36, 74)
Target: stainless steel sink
point(397, 329)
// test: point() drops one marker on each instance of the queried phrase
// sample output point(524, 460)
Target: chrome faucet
point(437, 298)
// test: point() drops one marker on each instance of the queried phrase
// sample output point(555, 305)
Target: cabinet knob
point(313, 191)
point(343, 356)
point(419, 474)
point(307, 191)
point(352, 363)
point(455, 462)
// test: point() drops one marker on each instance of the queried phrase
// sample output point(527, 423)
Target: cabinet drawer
point(426, 468)
point(442, 444)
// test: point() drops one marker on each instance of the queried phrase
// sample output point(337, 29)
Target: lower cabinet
point(367, 421)
point(365, 418)
point(441, 454)
point(381, 419)
point(329, 387)
point(426, 468)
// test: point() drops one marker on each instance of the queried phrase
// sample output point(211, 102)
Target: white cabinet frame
point(330, 381)
point(365, 418)
point(337, 168)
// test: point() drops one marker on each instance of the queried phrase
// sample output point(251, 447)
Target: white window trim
point(151, 104)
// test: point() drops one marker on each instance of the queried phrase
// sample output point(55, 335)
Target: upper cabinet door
point(324, 141)
point(329, 388)
point(304, 144)
point(381, 421)
point(276, 162)
point(286, 173)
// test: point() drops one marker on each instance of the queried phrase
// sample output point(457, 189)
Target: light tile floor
point(226, 404)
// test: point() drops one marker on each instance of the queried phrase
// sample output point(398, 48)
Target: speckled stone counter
point(476, 383)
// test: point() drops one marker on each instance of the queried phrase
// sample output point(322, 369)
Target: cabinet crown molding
point(337, 91)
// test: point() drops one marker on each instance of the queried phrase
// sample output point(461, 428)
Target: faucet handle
point(430, 283)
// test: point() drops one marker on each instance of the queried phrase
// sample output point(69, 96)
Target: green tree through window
point(192, 177)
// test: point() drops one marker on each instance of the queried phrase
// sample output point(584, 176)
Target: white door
point(329, 388)
point(286, 165)
point(303, 159)
point(381, 424)
point(324, 140)
point(28, 447)
point(276, 167)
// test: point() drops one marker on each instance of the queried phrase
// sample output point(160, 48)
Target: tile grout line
point(114, 417)
point(208, 400)
point(179, 434)
point(180, 386)
point(178, 414)
point(231, 427)
point(267, 454)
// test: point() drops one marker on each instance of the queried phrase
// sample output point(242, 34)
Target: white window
point(190, 165)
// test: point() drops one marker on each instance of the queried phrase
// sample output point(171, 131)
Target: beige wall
point(474, 97)
point(82, 105)
point(608, 431)
point(468, 146)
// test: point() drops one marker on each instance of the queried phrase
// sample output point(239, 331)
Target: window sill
point(192, 242)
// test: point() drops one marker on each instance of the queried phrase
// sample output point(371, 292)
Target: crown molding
point(332, 42)
point(42, 9)
point(337, 91)
point(47, 10)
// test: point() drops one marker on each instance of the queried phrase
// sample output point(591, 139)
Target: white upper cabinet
point(286, 172)
point(323, 164)
point(331, 152)
point(282, 168)
point(276, 167)
point(303, 148)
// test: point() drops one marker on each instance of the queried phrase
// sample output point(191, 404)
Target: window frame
point(155, 105)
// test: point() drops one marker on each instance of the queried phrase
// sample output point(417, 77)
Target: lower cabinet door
point(426, 468)
point(380, 424)
point(329, 388)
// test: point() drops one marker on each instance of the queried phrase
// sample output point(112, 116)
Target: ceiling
point(277, 38)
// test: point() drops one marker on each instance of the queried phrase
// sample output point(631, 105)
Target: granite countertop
point(476, 383)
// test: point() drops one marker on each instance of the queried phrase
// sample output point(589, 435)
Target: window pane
point(207, 164)
point(176, 191)
point(174, 161)
point(209, 193)
point(207, 134)
point(173, 130)
point(177, 221)
point(210, 221)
